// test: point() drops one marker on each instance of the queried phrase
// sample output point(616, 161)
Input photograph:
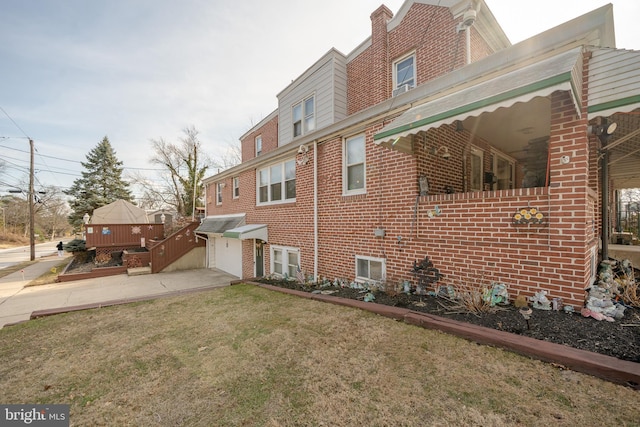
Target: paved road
point(12, 256)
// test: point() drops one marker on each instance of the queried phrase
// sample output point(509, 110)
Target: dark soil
point(620, 339)
point(85, 262)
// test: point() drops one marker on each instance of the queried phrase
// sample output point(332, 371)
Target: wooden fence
point(122, 235)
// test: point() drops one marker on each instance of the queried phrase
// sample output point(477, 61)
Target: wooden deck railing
point(173, 247)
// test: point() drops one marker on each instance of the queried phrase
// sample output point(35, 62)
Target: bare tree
point(52, 211)
point(231, 157)
point(186, 164)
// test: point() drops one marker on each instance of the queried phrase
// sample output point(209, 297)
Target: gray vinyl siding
point(614, 74)
point(327, 81)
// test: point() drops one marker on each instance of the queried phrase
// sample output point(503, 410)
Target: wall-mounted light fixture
point(303, 150)
point(443, 151)
point(603, 131)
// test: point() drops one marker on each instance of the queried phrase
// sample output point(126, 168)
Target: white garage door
point(228, 255)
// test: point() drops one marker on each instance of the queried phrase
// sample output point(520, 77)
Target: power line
point(77, 161)
point(14, 122)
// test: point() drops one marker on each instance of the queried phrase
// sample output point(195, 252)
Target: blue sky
point(74, 71)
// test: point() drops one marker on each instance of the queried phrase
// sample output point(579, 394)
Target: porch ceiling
point(511, 129)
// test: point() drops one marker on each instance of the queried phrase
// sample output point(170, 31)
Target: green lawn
point(245, 356)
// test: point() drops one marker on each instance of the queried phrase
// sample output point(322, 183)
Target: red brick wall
point(290, 224)
point(473, 240)
point(427, 29)
point(269, 133)
point(347, 223)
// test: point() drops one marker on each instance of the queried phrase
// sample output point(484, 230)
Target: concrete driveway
point(18, 303)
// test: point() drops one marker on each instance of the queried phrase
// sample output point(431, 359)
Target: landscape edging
point(609, 368)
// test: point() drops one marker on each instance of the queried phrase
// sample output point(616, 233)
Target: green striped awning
point(560, 72)
point(249, 231)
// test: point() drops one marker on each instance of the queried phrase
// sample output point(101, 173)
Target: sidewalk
point(18, 303)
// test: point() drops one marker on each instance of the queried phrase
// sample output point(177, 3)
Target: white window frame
point(283, 182)
point(383, 268)
point(236, 187)
point(285, 251)
point(479, 154)
point(512, 163)
point(307, 118)
point(396, 83)
point(219, 186)
point(258, 145)
point(346, 165)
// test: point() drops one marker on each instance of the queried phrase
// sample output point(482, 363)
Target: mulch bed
point(619, 339)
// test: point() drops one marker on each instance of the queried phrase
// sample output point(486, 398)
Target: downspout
point(605, 203)
point(315, 210)
point(205, 237)
point(468, 37)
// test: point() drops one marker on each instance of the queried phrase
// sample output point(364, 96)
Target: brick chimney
point(380, 71)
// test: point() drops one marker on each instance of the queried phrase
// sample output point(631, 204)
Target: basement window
point(284, 260)
point(370, 269)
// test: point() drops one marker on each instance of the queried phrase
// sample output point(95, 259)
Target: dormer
point(316, 99)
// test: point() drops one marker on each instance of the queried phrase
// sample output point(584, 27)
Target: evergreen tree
point(101, 183)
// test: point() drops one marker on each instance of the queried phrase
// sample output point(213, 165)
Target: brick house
point(436, 137)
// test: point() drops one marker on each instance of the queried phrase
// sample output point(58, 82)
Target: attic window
point(258, 145)
point(404, 72)
point(304, 120)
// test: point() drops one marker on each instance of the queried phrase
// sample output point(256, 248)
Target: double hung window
point(284, 260)
point(218, 193)
point(404, 72)
point(258, 145)
point(236, 187)
point(304, 116)
point(277, 183)
point(354, 165)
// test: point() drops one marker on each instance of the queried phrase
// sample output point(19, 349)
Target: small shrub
point(75, 245)
point(627, 283)
point(471, 294)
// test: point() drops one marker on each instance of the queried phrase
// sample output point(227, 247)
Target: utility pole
point(32, 236)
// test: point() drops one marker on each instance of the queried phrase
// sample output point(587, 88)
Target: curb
point(53, 311)
point(608, 368)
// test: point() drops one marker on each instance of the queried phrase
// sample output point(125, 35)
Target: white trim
point(255, 145)
point(219, 193)
point(499, 154)
point(304, 129)
point(283, 189)
point(383, 272)
point(235, 180)
point(345, 175)
point(286, 250)
point(476, 152)
point(394, 68)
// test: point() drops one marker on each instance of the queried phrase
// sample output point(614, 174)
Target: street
point(12, 256)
